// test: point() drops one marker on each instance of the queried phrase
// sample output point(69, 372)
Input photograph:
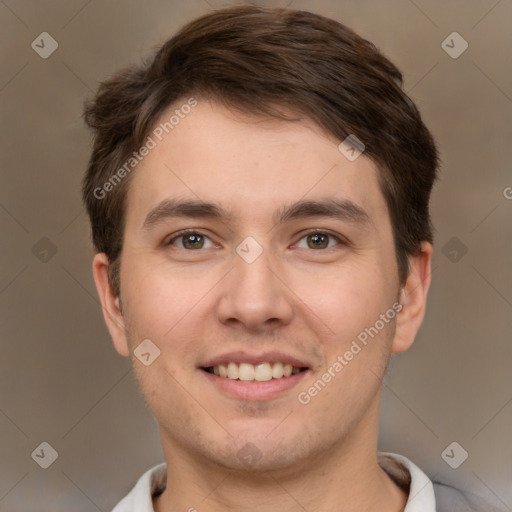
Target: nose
point(255, 296)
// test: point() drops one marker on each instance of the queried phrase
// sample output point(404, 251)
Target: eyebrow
point(341, 209)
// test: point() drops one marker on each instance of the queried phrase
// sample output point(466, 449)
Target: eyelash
point(181, 234)
point(339, 240)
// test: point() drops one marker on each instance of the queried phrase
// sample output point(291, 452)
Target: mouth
point(247, 372)
point(257, 377)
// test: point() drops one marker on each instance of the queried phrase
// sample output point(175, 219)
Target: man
point(259, 200)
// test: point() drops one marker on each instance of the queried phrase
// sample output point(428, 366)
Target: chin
point(258, 460)
point(259, 454)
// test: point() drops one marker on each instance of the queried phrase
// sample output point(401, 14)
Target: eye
point(190, 240)
point(318, 240)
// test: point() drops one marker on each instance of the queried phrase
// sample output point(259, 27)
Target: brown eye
point(190, 241)
point(318, 241)
point(193, 241)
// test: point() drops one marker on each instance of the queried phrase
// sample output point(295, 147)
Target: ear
point(110, 304)
point(413, 298)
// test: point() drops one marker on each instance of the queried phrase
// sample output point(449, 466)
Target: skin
point(310, 302)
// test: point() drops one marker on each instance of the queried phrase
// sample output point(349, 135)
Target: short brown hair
point(257, 60)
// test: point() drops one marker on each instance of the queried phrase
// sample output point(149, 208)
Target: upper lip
point(255, 358)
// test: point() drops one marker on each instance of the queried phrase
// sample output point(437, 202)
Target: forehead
point(247, 163)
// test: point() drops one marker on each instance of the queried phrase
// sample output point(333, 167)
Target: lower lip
point(254, 390)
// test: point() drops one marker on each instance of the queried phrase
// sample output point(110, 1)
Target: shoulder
point(427, 495)
point(450, 499)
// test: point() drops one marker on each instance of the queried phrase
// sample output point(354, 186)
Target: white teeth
point(277, 370)
point(232, 371)
point(245, 371)
point(262, 372)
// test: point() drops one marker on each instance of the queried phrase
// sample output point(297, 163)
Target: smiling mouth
point(247, 372)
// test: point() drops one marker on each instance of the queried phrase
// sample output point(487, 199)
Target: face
point(256, 248)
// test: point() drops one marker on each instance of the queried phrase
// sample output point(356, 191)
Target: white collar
point(421, 492)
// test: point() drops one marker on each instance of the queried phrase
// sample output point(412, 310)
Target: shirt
point(421, 491)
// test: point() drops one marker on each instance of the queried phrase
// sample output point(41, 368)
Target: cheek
point(342, 303)
point(165, 393)
point(167, 312)
point(158, 300)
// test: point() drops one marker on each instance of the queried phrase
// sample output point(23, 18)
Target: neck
point(344, 477)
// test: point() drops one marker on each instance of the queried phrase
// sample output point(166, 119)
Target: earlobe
point(413, 298)
point(110, 304)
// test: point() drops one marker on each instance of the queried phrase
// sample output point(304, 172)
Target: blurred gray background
point(61, 382)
